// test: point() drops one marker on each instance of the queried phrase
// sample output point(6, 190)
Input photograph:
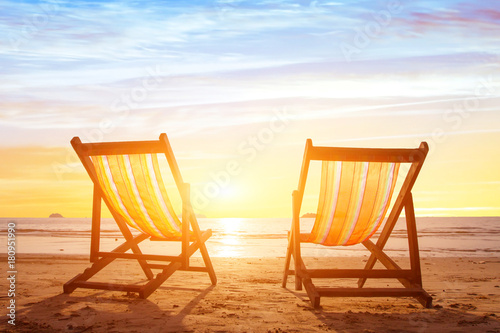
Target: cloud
point(454, 19)
point(217, 56)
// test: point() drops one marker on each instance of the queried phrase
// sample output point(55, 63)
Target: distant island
point(309, 215)
point(55, 215)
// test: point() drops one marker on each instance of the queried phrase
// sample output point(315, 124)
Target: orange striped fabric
point(133, 185)
point(354, 198)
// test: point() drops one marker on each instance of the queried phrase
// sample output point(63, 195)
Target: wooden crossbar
point(356, 273)
point(138, 256)
point(108, 286)
point(188, 269)
point(121, 148)
point(365, 155)
point(369, 292)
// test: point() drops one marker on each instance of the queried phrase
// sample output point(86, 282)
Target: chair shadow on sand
point(380, 316)
point(102, 311)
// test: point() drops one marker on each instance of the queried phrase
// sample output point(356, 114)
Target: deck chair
point(355, 194)
point(127, 177)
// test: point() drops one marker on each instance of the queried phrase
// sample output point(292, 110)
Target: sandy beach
point(249, 298)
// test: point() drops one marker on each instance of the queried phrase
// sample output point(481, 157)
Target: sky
point(238, 86)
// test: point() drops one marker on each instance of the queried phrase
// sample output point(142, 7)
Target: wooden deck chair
point(127, 177)
point(355, 194)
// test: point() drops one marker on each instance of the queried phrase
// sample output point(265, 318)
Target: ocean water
point(267, 237)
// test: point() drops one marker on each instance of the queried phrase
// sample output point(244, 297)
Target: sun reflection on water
point(231, 241)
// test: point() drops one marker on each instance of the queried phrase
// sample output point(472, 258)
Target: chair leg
point(306, 281)
point(144, 265)
point(70, 286)
point(189, 214)
point(288, 257)
point(309, 286)
point(152, 285)
point(411, 228)
point(208, 263)
point(135, 249)
point(297, 260)
point(314, 297)
point(295, 238)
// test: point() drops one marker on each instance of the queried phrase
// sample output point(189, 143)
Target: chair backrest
point(356, 188)
point(131, 184)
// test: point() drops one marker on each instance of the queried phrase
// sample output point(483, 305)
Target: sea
point(257, 237)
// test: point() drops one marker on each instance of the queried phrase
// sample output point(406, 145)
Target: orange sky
point(458, 178)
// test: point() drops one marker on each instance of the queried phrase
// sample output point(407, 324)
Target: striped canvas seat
point(133, 184)
point(354, 198)
point(357, 185)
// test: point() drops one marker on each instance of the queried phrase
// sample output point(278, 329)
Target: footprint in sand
point(462, 306)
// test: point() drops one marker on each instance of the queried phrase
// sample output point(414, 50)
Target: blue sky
point(214, 73)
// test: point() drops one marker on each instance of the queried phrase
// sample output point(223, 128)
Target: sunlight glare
point(231, 240)
point(231, 226)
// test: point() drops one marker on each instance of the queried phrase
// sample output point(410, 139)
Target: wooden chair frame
point(411, 279)
point(168, 264)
